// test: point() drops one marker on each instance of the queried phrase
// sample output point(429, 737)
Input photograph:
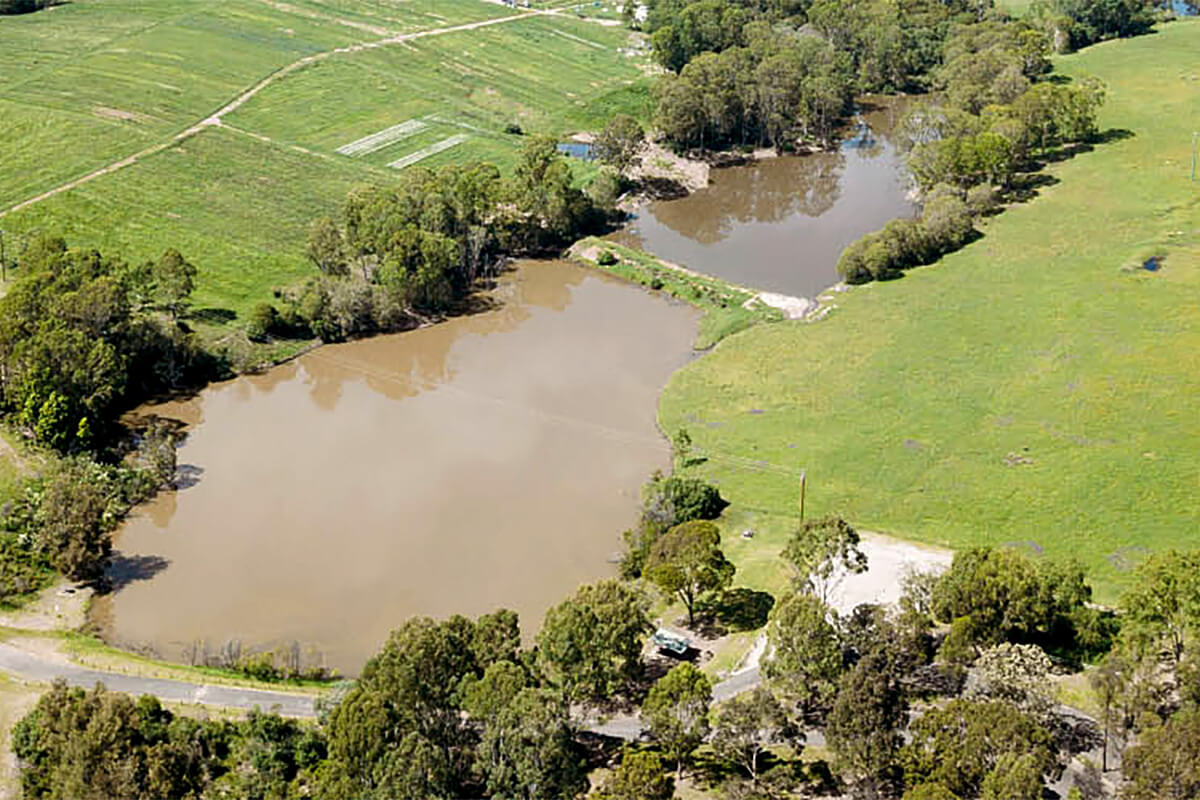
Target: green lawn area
point(1031, 389)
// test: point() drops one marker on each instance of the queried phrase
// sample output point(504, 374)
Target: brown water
point(780, 224)
point(488, 461)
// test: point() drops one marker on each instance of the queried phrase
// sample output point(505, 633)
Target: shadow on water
point(187, 476)
point(126, 569)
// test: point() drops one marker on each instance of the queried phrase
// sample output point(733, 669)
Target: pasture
point(1038, 388)
point(90, 83)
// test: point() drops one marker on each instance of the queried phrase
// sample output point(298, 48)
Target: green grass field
point(94, 81)
point(1034, 388)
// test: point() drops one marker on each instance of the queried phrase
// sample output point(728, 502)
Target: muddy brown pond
point(488, 461)
point(780, 224)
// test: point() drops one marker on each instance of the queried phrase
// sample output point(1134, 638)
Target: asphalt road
point(31, 667)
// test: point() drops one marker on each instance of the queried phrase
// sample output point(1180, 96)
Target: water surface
point(487, 461)
point(780, 224)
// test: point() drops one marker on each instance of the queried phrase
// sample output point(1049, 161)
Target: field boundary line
point(214, 119)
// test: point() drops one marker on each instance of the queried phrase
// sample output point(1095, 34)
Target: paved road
point(31, 667)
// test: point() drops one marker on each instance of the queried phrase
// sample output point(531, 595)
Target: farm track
point(214, 120)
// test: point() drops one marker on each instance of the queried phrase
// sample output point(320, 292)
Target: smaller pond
point(581, 150)
point(780, 224)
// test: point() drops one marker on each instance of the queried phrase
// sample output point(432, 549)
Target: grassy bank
point(1032, 389)
point(727, 308)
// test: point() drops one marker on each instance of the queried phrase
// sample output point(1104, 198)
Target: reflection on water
point(490, 460)
point(782, 223)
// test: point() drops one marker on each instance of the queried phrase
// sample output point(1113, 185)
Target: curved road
point(31, 667)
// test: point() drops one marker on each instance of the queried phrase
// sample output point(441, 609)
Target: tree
point(326, 248)
point(806, 652)
point(527, 751)
point(619, 142)
point(1011, 598)
point(639, 776)
point(961, 743)
point(497, 637)
point(1165, 763)
point(676, 712)
point(747, 725)
point(1017, 674)
point(410, 687)
point(821, 552)
point(73, 521)
point(1162, 606)
point(158, 452)
point(1015, 777)
point(687, 562)
point(174, 279)
point(865, 723)
point(590, 645)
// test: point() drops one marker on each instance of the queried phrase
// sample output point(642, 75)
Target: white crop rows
point(383, 138)
point(432, 150)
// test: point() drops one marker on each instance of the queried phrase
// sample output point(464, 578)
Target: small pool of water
point(581, 150)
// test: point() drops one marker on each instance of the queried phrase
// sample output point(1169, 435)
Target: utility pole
point(803, 484)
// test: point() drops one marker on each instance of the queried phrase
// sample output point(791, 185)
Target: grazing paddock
point(482, 80)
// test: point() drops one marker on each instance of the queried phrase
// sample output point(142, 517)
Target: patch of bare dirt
point(61, 607)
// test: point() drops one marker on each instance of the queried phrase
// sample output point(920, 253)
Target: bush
point(982, 200)
point(264, 321)
point(513, 129)
point(947, 221)
point(606, 258)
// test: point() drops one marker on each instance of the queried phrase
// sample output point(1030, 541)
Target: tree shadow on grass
point(213, 316)
point(738, 609)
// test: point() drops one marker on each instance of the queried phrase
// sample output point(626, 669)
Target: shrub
point(264, 321)
point(606, 258)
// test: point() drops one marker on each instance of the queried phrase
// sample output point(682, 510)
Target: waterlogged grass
point(1034, 389)
point(724, 304)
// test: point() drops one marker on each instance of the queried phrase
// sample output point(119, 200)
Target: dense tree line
point(418, 247)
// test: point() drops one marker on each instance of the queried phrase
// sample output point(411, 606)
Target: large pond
point(780, 224)
point(491, 460)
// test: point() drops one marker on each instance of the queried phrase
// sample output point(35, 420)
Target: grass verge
point(727, 308)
